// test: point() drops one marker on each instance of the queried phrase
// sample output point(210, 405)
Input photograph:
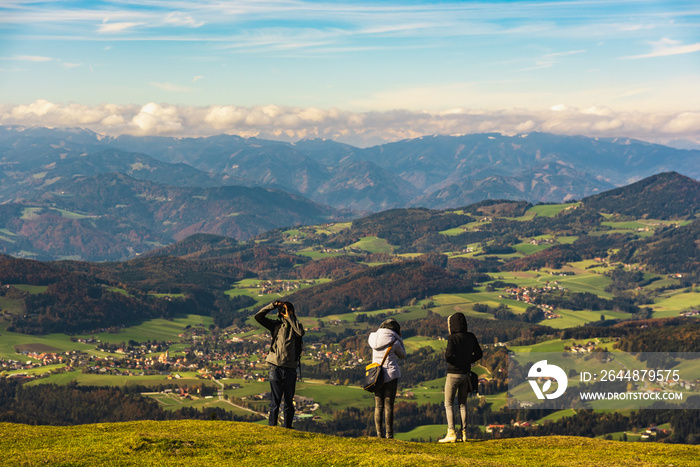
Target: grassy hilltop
point(230, 443)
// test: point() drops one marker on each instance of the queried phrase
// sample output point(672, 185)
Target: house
point(494, 428)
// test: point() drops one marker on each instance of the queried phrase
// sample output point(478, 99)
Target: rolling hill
point(113, 216)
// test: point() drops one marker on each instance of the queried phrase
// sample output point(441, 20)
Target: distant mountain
point(551, 182)
point(324, 171)
point(28, 180)
point(113, 216)
point(437, 171)
point(431, 171)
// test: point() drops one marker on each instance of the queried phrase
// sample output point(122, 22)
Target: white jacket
point(379, 341)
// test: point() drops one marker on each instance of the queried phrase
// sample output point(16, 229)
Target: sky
point(358, 72)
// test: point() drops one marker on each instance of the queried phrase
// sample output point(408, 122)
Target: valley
point(540, 278)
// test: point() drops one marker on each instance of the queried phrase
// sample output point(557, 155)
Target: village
point(529, 294)
point(229, 356)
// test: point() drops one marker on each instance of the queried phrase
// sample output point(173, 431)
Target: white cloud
point(157, 119)
point(666, 47)
point(170, 87)
point(197, 78)
point(30, 58)
point(116, 27)
point(358, 128)
point(178, 18)
point(683, 123)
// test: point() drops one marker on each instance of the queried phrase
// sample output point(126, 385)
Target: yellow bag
point(374, 376)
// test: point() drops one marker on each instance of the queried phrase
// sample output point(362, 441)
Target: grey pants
point(384, 408)
point(458, 385)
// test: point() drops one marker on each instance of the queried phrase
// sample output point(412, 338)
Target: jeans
point(282, 384)
point(384, 408)
point(459, 385)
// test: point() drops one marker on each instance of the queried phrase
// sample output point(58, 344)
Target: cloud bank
point(355, 128)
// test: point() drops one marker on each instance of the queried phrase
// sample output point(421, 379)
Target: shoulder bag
point(374, 376)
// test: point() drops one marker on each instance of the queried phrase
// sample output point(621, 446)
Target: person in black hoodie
point(463, 349)
point(283, 357)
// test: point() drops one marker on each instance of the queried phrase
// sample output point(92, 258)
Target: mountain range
point(75, 193)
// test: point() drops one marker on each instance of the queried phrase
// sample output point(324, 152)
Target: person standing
point(463, 349)
point(388, 335)
point(284, 355)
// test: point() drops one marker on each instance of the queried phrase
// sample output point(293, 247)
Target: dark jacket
point(285, 332)
point(463, 348)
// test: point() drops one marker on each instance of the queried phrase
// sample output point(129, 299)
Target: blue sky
point(363, 72)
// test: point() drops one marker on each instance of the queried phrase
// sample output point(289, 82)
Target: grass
point(156, 329)
point(672, 305)
point(9, 341)
point(11, 305)
point(32, 289)
point(373, 245)
point(423, 433)
point(186, 443)
point(334, 398)
point(414, 343)
point(315, 255)
point(86, 379)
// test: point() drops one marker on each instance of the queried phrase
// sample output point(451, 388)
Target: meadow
point(189, 443)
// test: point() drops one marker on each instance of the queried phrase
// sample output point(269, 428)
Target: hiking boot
point(451, 437)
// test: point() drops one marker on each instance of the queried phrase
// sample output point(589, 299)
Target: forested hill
point(385, 260)
point(379, 287)
point(116, 217)
point(663, 196)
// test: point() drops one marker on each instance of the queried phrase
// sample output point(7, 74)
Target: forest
point(50, 404)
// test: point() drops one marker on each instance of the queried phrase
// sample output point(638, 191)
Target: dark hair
point(290, 308)
point(392, 324)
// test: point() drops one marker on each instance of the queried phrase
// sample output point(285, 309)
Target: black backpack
point(298, 343)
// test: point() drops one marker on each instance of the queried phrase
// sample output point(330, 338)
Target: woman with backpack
point(387, 346)
point(463, 349)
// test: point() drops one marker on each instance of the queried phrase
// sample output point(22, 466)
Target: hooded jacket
point(463, 348)
point(379, 341)
point(284, 332)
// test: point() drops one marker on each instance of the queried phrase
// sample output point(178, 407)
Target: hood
point(457, 323)
point(381, 339)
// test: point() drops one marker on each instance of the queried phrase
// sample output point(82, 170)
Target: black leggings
point(384, 408)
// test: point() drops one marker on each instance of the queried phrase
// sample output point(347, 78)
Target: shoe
point(451, 437)
point(464, 436)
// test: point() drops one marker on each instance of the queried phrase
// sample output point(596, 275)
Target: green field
point(86, 379)
point(11, 305)
point(373, 245)
point(557, 345)
point(190, 443)
point(425, 433)
point(316, 255)
point(9, 341)
point(543, 210)
point(672, 304)
point(412, 344)
point(156, 329)
point(32, 289)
